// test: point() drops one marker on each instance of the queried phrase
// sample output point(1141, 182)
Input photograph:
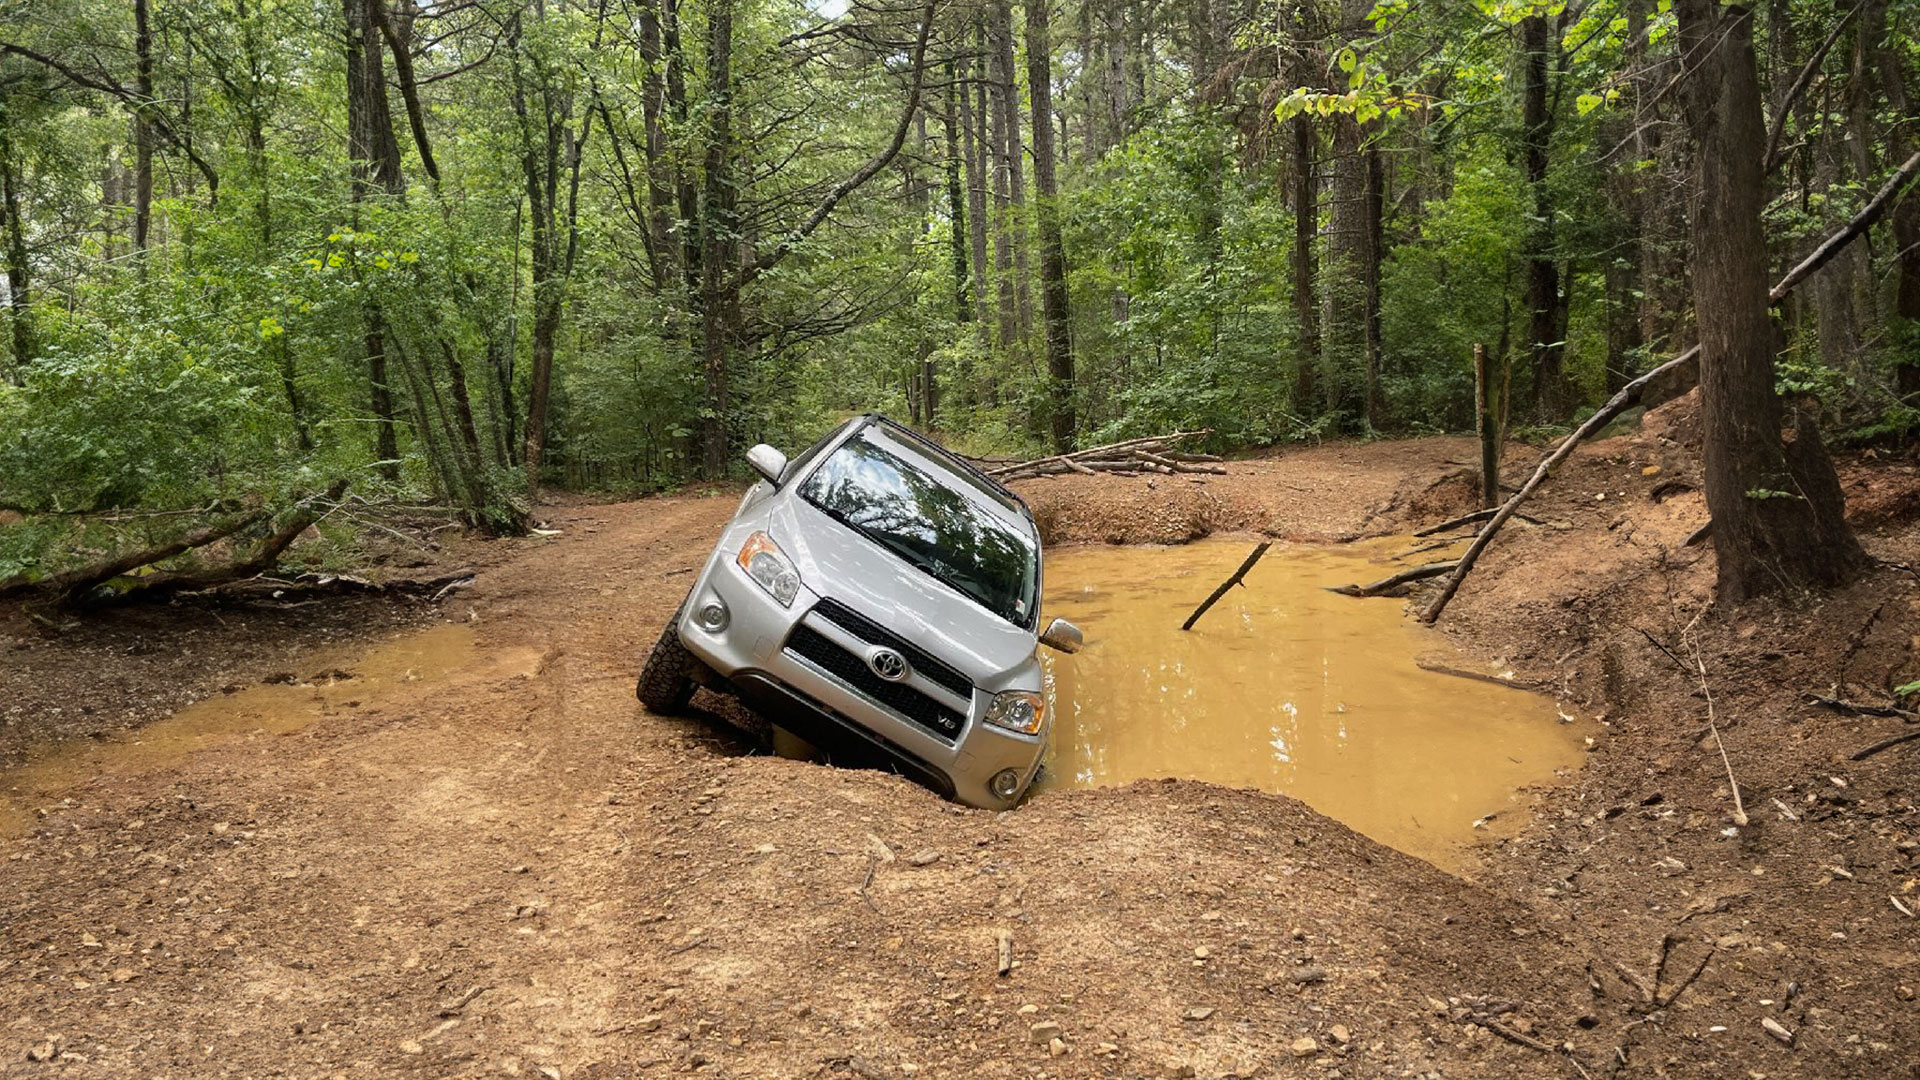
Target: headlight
point(1017, 710)
point(770, 568)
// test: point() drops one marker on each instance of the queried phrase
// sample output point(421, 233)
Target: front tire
point(666, 682)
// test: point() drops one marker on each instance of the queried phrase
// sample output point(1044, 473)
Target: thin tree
point(1053, 258)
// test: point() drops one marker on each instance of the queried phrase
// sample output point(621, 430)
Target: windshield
point(939, 529)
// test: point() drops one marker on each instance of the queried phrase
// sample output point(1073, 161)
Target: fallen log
point(1476, 676)
point(1126, 448)
point(1227, 584)
point(256, 561)
point(1620, 402)
point(78, 581)
point(1630, 394)
point(1387, 584)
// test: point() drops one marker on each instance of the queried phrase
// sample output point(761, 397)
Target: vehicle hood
point(837, 562)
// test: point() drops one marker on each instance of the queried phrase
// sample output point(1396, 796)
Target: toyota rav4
point(880, 597)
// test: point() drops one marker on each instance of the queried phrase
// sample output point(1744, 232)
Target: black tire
point(666, 682)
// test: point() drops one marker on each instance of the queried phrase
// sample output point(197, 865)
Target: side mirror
point(768, 462)
point(1063, 635)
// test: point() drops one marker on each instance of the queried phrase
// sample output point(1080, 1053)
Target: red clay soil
point(513, 870)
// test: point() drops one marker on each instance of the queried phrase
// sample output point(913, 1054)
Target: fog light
point(711, 616)
point(1005, 784)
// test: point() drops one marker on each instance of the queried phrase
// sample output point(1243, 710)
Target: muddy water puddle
point(1288, 688)
point(328, 684)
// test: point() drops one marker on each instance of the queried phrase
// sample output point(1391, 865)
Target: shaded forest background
point(457, 250)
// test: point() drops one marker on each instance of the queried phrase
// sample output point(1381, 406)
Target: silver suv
point(878, 596)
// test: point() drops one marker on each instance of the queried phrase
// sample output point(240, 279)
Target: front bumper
point(751, 654)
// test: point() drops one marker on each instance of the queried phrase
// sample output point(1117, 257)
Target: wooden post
point(1487, 416)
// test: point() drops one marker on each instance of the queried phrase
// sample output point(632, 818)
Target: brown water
point(329, 684)
point(1288, 688)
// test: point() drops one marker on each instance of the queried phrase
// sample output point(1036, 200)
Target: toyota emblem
point(888, 664)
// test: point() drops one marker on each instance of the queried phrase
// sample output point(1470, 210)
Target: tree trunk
point(957, 215)
point(374, 167)
point(685, 196)
point(1053, 259)
point(717, 230)
point(973, 123)
point(999, 78)
point(1009, 89)
point(653, 97)
point(1778, 512)
point(19, 270)
point(1546, 305)
point(1306, 226)
point(1894, 82)
point(142, 131)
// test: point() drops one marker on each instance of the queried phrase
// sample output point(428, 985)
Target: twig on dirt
point(1004, 941)
point(1513, 1036)
point(1739, 809)
point(1469, 519)
point(1670, 998)
point(1854, 708)
point(1258, 551)
point(1635, 981)
point(1900, 907)
point(453, 1007)
point(1886, 744)
point(1656, 644)
point(1386, 585)
point(1785, 810)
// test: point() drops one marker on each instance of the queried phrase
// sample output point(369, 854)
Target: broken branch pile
point(1151, 454)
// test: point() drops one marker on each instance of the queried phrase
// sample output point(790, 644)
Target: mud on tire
point(666, 682)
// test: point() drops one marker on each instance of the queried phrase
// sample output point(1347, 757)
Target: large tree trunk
point(1306, 226)
point(653, 97)
point(1053, 259)
point(717, 229)
point(374, 168)
point(1546, 304)
point(1895, 82)
point(1778, 513)
point(1349, 272)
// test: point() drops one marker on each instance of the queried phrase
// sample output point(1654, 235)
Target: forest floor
point(504, 867)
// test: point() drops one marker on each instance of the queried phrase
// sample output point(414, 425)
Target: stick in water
point(1225, 585)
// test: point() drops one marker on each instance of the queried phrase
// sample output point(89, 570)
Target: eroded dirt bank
point(514, 870)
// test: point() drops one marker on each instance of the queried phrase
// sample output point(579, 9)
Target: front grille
point(815, 647)
point(866, 629)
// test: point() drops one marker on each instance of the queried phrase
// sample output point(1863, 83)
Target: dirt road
point(511, 869)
